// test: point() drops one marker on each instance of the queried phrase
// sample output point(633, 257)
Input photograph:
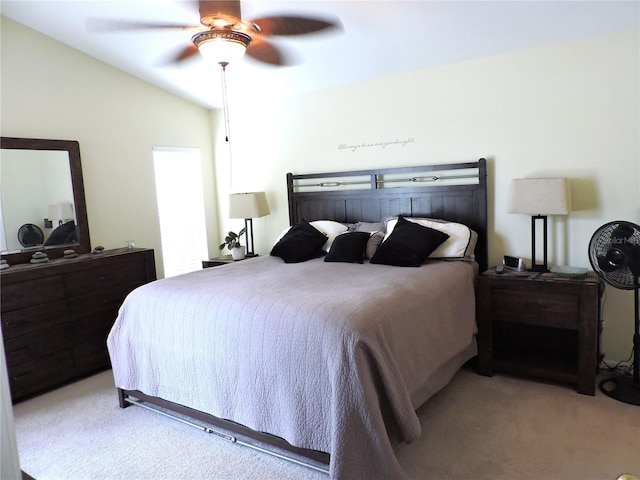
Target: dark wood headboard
point(456, 192)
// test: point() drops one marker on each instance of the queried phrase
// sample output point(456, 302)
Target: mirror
point(42, 204)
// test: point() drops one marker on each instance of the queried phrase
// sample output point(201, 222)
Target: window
point(178, 176)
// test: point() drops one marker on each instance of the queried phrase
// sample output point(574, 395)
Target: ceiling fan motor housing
point(225, 35)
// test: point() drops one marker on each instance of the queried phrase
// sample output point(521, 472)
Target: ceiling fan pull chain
point(225, 102)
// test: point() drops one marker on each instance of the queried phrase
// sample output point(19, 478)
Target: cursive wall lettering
point(384, 144)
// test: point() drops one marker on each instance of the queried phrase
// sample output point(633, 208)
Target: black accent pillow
point(300, 243)
point(408, 245)
point(348, 248)
point(62, 235)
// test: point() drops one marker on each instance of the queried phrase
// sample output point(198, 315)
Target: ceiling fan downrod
point(225, 101)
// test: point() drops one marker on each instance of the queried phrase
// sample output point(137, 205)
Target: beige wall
point(570, 109)
point(49, 90)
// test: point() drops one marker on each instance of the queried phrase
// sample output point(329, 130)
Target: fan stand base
point(623, 389)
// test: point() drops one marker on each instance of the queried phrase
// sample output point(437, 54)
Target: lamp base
point(539, 269)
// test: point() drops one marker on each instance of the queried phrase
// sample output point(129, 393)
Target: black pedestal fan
point(614, 253)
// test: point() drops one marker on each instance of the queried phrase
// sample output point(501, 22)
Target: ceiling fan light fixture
point(221, 46)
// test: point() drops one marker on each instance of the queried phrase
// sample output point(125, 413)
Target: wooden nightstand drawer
point(547, 309)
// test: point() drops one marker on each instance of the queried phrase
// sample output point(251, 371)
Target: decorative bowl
point(569, 272)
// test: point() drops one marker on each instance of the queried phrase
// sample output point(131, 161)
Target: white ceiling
point(378, 38)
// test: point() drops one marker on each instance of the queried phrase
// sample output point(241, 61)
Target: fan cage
point(601, 242)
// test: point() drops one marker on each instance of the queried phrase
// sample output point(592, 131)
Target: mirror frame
point(72, 147)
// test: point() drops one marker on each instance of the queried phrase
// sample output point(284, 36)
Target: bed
point(327, 360)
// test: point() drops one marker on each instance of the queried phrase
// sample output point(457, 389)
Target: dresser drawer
point(544, 309)
point(34, 292)
point(92, 355)
point(124, 272)
point(96, 325)
point(34, 319)
point(41, 373)
point(32, 346)
point(106, 300)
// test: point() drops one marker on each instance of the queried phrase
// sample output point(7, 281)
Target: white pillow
point(331, 229)
point(458, 245)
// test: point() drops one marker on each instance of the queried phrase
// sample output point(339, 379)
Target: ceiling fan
point(225, 36)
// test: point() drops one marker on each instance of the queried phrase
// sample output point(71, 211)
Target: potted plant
point(232, 242)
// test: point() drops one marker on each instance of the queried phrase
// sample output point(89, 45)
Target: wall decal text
point(384, 144)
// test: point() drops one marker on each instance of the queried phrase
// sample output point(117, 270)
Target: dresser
point(56, 315)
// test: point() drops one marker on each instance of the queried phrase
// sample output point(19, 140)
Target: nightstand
point(542, 325)
point(223, 260)
point(217, 261)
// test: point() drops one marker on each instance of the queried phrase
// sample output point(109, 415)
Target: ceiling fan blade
point(105, 25)
point(262, 50)
point(211, 8)
point(290, 25)
point(187, 52)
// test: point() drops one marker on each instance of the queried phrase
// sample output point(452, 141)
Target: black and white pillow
point(460, 244)
point(300, 243)
point(408, 245)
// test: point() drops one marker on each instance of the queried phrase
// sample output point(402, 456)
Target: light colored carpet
point(477, 428)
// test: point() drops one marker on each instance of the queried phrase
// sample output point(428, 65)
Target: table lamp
point(539, 197)
point(62, 211)
point(248, 206)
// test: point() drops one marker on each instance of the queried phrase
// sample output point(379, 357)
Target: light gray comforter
point(330, 356)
